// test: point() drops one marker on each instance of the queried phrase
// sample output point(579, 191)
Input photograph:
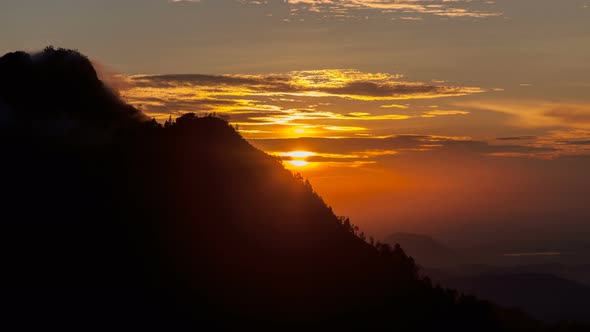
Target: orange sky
point(431, 116)
point(398, 154)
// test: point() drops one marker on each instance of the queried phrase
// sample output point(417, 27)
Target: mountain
point(544, 296)
point(429, 252)
point(56, 93)
point(112, 221)
point(576, 273)
point(549, 292)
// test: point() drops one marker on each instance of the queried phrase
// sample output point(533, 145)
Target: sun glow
point(298, 154)
point(297, 158)
point(298, 163)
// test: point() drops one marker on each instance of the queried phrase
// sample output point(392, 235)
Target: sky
point(468, 119)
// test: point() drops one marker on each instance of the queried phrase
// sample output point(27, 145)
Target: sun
point(297, 158)
point(298, 163)
point(298, 154)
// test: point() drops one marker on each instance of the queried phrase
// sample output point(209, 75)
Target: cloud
point(394, 106)
point(435, 113)
point(354, 9)
point(344, 83)
point(297, 98)
point(537, 113)
point(374, 148)
point(452, 9)
point(569, 114)
point(351, 104)
point(353, 159)
point(573, 142)
point(516, 138)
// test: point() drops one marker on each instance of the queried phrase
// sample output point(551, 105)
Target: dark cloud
point(516, 138)
point(164, 81)
point(188, 104)
point(567, 142)
point(387, 90)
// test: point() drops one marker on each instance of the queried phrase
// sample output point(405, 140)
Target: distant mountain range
point(577, 273)
point(544, 296)
point(427, 251)
point(550, 292)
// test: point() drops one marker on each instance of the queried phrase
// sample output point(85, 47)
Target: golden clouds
point(297, 103)
point(341, 83)
point(391, 9)
point(336, 78)
point(431, 114)
point(361, 109)
point(572, 142)
point(394, 106)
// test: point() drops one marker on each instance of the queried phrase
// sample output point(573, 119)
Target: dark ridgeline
point(112, 220)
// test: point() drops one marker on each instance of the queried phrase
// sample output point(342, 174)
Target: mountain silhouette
point(111, 220)
point(57, 93)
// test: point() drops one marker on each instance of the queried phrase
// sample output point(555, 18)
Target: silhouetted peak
point(15, 68)
point(15, 61)
point(67, 67)
point(57, 92)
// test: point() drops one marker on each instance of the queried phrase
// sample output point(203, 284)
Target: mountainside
point(109, 219)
